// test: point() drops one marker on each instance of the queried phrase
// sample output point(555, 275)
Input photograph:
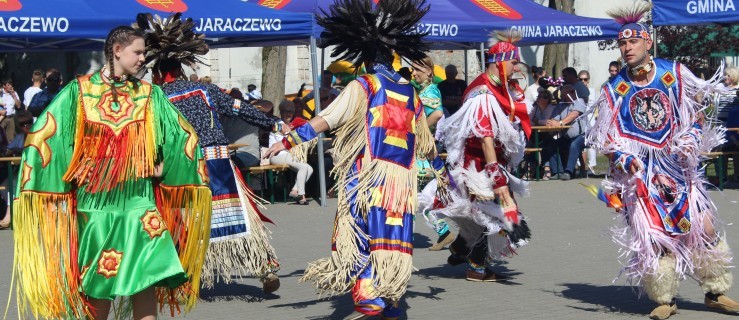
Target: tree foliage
point(693, 45)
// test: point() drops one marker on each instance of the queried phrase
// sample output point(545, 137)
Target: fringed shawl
point(675, 156)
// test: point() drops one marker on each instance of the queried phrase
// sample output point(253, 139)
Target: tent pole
point(323, 60)
point(466, 67)
point(317, 93)
point(482, 56)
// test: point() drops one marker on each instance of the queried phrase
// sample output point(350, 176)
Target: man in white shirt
point(37, 78)
point(11, 102)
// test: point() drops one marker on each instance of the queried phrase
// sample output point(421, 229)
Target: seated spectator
point(41, 100)
point(194, 77)
point(543, 108)
point(303, 170)
point(544, 105)
point(729, 100)
point(23, 122)
point(206, 79)
point(732, 138)
point(566, 113)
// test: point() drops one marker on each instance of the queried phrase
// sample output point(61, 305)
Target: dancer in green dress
point(111, 200)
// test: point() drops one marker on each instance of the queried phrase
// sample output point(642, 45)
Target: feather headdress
point(633, 14)
point(511, 36)
point(362, 31)
point(629, 18)
point(171, 39)
point(502, 45)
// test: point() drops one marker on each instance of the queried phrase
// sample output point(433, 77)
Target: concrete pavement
point(566, 272)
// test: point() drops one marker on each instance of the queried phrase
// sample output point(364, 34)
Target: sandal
point(303, 202)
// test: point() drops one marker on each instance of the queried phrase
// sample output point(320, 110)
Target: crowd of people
point(125, 169)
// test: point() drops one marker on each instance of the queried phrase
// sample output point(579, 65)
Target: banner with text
point(693, 12)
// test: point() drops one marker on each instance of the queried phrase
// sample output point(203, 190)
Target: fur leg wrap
point(714, 273)
point(662, 286)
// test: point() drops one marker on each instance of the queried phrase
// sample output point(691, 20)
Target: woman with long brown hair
point(112, 200)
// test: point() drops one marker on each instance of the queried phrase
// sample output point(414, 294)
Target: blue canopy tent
point(694, 12)
point(228, 23)
point(465, 23)
point(50, 25)
point(38, 25)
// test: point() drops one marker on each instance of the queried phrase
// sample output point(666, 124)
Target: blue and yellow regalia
point(380, 129)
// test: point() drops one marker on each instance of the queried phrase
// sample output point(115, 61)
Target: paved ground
point(566, 272)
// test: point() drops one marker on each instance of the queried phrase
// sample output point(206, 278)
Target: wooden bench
point(717, 154)
point(236, 146)
point(270, 170)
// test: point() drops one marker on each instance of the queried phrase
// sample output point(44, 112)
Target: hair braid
point(111, 71)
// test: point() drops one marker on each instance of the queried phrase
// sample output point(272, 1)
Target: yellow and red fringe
point(46, 250)
point(186, 212)
point(104, 159)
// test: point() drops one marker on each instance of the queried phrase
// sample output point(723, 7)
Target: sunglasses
point(26, 123)
point(584, 79)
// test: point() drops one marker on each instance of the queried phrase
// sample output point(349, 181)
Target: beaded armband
point(500, 179)
point(299, 135)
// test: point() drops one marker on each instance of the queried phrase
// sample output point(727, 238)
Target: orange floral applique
point(110, 261)
point(153, 224)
